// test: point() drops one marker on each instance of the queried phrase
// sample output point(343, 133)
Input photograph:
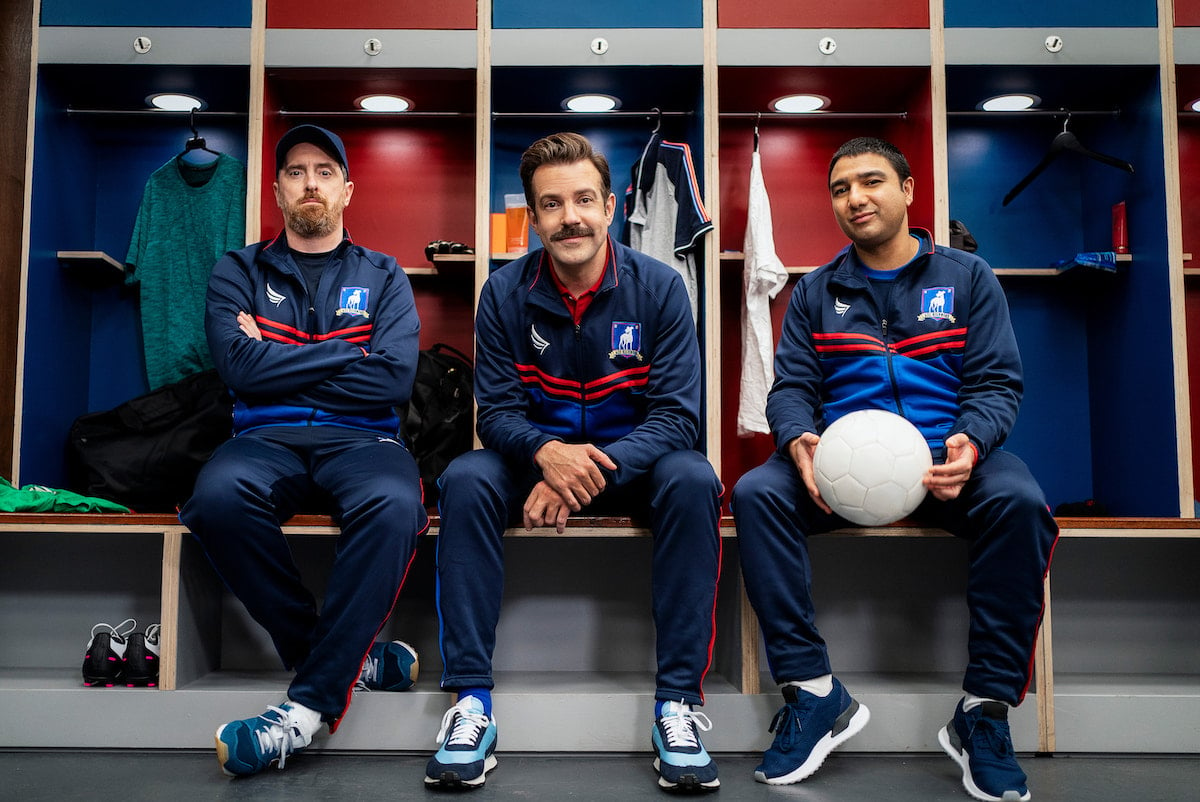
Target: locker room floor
point(127, 775)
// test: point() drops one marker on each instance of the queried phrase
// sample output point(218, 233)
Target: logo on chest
point(354, 301)
point(626, 340)
point(937, 303)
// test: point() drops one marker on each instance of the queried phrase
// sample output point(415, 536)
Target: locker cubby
point(1126, 643)
point(613, 14)
point(526, 106)
point(1187, 92)
point(1094, 347)
point(891, 103)
point(48, 609)
point(214, 14)
point(396, 14)
point(1063, 13)
point(413, 173)
point(817, 14)
point(95, 146)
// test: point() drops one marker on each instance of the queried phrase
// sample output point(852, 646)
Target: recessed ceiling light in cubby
point(637, 89)
point(221, 89)
point(175, 101)
point(841, 90)
point(330, 91)
point(1017, 101)
point(799, 104)
point(591, 102)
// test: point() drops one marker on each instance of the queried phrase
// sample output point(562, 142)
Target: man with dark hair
point(317, 338)
point(864, 332)
point(587, 381)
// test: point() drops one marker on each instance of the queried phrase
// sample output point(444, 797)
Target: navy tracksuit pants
point(258, 480)
point(1001, 512)
point(481, 494)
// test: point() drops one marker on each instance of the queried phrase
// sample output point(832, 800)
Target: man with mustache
point(588, 385)
point(316, 337)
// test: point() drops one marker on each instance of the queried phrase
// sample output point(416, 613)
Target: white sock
point(971, 701)
point(817, 686)
point(307, 719)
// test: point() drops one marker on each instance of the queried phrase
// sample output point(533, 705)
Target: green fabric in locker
point(36, 498)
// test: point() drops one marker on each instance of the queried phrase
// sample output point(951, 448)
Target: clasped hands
point(571, 479)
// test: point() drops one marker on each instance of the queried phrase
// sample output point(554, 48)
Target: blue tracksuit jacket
point(359, 332)
point(627, 379)
point(943, 354)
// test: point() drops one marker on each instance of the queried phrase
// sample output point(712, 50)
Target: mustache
point(571, 231)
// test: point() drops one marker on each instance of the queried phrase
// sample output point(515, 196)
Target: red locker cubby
point(817, 14)
point(397, 14)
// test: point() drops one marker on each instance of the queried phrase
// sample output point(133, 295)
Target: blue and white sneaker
point(250, 745)
point(389, 666)
point(980, 742)
point(468, 745)
point(807, 728)
point(682, 762)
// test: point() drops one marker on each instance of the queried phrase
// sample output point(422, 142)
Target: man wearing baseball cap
point(316, 337)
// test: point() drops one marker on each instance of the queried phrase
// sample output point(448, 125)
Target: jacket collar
point(849, 270)
point(543, 291)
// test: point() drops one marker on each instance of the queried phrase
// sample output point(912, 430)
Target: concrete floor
point(129, 776)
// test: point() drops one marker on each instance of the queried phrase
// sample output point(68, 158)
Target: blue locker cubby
point(117, 13)
point(614, 14)
point(535, 106)
point(1040, 13)
point(93, 152)
point(1098, 419)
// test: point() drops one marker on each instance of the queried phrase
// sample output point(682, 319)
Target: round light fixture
point(175, 101)
point(591, 103)
point(384, 103)
point(799, 104)
point(1015, 102)
point(1195, 105)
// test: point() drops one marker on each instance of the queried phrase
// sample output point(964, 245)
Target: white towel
point(763, 277)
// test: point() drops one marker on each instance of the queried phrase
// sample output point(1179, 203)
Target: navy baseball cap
point(326, 140)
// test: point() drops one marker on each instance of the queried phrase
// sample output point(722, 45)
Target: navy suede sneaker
point(981, 744)
point(807, 728)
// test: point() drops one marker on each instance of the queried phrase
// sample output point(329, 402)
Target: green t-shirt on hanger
point(189, 217)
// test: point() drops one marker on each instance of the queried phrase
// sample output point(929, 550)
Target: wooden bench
point(179, 664)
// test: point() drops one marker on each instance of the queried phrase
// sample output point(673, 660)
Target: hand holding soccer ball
point(869, 467)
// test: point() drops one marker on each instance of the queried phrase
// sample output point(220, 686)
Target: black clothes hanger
point(757, 120)
point(1065, 140)
point(196, 142)
point(657, 120)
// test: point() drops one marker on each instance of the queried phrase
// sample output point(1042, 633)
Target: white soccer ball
point(869, 466)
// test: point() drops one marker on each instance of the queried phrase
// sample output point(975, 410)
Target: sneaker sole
point(688, 784)
point(451, 781)
point(960, 757)
point(821, 750)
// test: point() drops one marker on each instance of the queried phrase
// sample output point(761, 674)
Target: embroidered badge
point(275, 297)
point(626, 340)
point(353, 301)
point(840, 307)
point(539, 342)
point(937, 303)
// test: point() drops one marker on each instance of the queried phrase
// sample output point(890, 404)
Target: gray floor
point(29, 775)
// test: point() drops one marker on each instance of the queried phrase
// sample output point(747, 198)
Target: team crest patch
point(626, 340)
point(353, 301)
point(937, 303)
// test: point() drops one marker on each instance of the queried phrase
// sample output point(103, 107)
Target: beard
point(311, 220)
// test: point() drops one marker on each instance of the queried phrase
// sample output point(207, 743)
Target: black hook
point(657, 119)
point(757, 120)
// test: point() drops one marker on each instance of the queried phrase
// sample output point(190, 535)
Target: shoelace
point(369, 673)
point(788, 722)
point(120, 631)
point(680, 727)
point(995, 735)
point(152, 634)
point(467, 728)
point(280, 736)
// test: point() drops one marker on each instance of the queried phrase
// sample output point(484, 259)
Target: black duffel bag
point(147, 452)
